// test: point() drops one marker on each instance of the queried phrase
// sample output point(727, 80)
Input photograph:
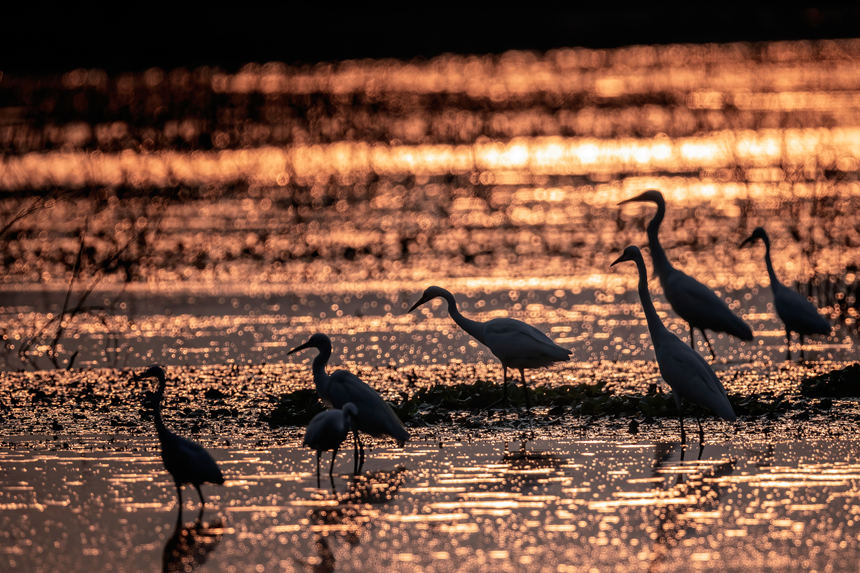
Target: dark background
point(47, 37)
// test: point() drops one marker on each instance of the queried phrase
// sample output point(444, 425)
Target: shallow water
point(442, 505)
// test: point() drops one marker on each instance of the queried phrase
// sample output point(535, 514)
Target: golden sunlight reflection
point(351, 161)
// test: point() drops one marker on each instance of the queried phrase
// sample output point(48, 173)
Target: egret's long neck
point(774, 282)
point(473, 327)
point(655, 325)
point(159, 421)
point(662, 266)
point(321, 377)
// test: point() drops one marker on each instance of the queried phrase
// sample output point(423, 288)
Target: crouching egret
point(796, 312)
point(681, 367)
point(374, 416)
point(698, 305)
point(327, 431)
point(187, 461)
point(515, 343)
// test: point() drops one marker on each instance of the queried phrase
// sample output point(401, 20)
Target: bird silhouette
point(327, 431)
point(515, 343)
point(374, 417)
point(698, 305)
point(686, 372)
point(796, 312)
point(186, 461)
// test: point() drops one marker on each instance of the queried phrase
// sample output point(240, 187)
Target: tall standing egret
point(796, 312)
point(515, 343)
point(684, 369)
point(327, 431)
point(374, 416)
point(698, 305)
point(187, 461)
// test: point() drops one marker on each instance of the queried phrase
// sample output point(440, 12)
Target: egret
point(374, 417)
point(681, 367)
point(187, 461)
point(698, 305)
point(327, 431)
point(515, 343)
point(796, 312)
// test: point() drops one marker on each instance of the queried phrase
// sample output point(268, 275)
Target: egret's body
point(327, 431)
point(374, 417)
point(794, 310)
point(185, 460)
point(686, 372)
point(515, 343)
point(698, 305)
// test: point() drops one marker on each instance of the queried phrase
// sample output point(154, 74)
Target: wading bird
point(327, 431)
point(515, 343)
point(698, 305)
point(187, 461)
point(374, 417)
point(796, 312)
point(681, 367)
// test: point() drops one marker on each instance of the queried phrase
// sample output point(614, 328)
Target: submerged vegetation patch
point(842, 383)
point(587, 399)
point(434, 404)
point(293, 409)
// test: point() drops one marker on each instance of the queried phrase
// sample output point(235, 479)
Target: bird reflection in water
point(349, 515)
point(190, 545)
point(696, 487)
point(527, 468)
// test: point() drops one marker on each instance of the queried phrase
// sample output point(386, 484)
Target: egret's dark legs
point(681, 418)
point(355, 442)
point(331, 467)
point(692, 341)
point(701, 432)
point(202, 501)
point(787, 344)
point(179, 495)
point(505, 389)
point(318, 468)
point(802, 355)
point(525, 390)
point(701, 449)
point(359, 453)
point(711, 348)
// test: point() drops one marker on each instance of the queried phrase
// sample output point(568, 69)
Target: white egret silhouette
point(698, 305)
point(684, 369)
point(186, 461)
point(374, 417)
point(515, 343)
point(796, 312)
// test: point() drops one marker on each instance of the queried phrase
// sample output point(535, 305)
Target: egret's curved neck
point(655, 325)
point(662, 266)
point(159, 397)
point(473, 327)
point(321, 377)
point(774, 282)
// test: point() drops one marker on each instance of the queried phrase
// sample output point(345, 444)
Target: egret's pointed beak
point(636, 199)
point(620, 259)
point(421, 301)
point(746, 242)
point(300, 347)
